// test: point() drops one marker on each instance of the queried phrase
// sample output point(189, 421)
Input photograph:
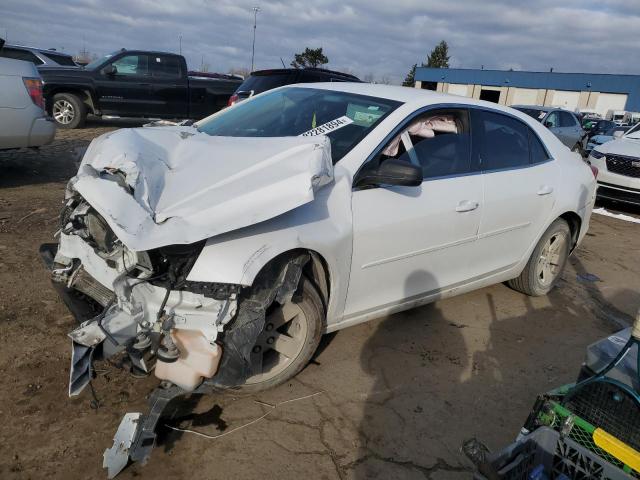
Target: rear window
point(262, 83)
point(19, 54)
point(63, 60)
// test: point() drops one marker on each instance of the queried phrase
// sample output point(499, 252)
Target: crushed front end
point(138, 305)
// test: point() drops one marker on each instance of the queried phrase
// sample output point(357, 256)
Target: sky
point(366, 37)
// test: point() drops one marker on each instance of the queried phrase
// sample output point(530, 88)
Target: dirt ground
point(398, 395)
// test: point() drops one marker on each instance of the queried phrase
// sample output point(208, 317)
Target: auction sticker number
point(328, 127)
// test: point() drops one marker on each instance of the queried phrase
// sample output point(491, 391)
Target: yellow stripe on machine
point(618, 449)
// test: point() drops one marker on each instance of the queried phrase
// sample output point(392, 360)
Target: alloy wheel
point(551, 259)
point(63, 112)
point(279, 343)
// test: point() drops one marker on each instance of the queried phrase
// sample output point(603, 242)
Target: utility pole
point(253, 47)
point(180, 43)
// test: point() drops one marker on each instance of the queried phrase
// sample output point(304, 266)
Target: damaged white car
point(215, 255)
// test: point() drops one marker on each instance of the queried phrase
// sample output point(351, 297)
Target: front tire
point(68, 111)
point(288, 341)
point(547, 261)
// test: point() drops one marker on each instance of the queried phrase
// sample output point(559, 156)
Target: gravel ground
point(398, 395)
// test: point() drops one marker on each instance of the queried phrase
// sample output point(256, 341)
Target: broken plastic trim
point(277, 282)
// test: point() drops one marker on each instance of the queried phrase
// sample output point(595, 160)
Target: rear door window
point(19, 54)
point(499, 141)
point(566, 119)
point(165, 66)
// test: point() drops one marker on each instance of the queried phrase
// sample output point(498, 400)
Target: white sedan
point(222, 251)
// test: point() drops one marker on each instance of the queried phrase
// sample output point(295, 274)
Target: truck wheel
point(289, 339)
point(68, 111)
point(546, 262)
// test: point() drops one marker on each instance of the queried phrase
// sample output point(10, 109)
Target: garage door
point(456, 89)
point(524, 96)
point(564, 99)
point(610, 101)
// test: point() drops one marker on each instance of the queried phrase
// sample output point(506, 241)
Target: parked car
point(562, 123)
point(23, 121)
point(263, 80)
point(618, 163)
point(303, 210)
point(38, 56)
point(600, 127)
point(605, 137)
point(133, 83)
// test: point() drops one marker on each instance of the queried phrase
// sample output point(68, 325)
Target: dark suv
point(263, 80)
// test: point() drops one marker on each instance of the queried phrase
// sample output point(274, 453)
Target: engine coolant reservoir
point(198, 359)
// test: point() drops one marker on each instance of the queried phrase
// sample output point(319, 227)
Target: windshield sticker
point(542, 114)
point(328, 127)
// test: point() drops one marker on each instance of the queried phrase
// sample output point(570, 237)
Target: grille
point(627, 166)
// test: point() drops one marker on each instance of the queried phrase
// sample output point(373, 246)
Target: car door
point(520, 181)
point(552, 122)
point(409, 242)
point(571, 130)
point(169, 87)
point(127, 90)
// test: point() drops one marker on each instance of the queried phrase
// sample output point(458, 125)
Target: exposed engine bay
point(193, 336)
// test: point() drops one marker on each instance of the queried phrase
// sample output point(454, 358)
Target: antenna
point(255, 21)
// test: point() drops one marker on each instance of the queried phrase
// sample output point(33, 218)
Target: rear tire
point(68, 111)
point(547, 261)
point(295, 328)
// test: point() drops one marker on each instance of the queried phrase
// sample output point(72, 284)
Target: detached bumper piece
point(136, 436)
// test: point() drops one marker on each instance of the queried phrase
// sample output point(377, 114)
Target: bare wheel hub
point(279, 343)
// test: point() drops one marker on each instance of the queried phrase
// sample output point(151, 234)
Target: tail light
point(34, 88)
point(233, 99)
point(594, 170)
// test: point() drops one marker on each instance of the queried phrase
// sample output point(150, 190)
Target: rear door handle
point(466, 206)
point(545, 190)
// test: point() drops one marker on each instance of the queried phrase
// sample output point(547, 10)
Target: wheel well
point(316, 270)
point(575, 222)
point(82, 94)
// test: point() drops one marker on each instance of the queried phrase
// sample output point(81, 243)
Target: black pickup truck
point(133, 83)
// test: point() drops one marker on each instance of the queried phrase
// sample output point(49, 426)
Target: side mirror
point(392, 172)
point(618, 134)
point(548, 124)
point(110, 70)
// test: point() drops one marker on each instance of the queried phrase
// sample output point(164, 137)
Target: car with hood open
point(618, 162)
point(214, 256)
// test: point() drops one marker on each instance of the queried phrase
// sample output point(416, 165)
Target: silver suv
point(562, 123)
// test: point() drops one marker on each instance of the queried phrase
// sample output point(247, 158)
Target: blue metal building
point(576, 91)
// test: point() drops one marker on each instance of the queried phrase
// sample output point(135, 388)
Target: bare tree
point(369, 78)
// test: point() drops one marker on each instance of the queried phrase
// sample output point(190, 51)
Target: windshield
point(345, 118)
point(634, 132)
point(97, 62)
point(533, 112)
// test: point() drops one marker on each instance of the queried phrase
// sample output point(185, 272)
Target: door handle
point(545, 190)
point(466, 206)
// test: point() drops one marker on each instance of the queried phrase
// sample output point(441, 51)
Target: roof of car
point(42, 50)
point(276, 71)
point(543, 108)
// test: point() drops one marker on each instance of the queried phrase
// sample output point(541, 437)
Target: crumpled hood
point(186, 186)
